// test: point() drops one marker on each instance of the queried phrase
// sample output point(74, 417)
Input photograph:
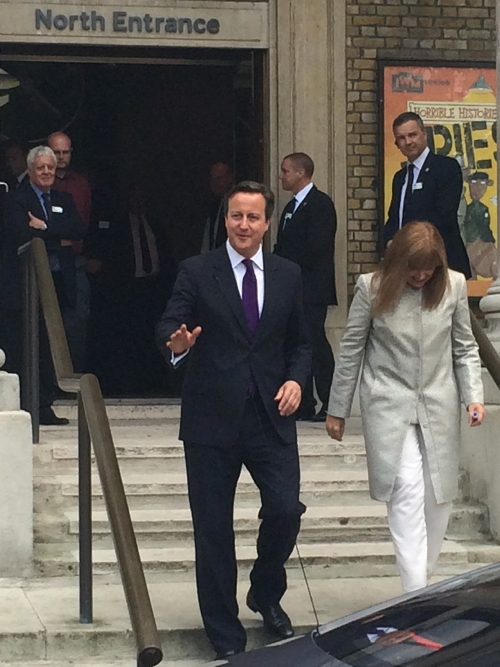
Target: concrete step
point(158, 454)
point(174, 527)
point(125, 409)
point(332, 560)
point(151, 409)
point(363, 523)
point(39, 619)
point(142, 490)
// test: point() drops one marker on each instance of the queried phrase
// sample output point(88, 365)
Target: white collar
point(235, 258)
point(419, 162)
point(302, 194)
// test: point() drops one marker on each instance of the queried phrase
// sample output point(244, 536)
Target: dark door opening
point(150, 127)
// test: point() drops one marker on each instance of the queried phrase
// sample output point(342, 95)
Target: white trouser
point(416, 521)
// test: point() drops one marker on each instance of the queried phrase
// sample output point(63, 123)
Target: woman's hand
point(476, 414)
point(335, 427)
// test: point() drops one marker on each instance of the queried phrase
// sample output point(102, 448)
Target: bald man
point(68, 180)
point(77, 185)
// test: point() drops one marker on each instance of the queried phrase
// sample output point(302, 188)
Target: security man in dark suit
point(238, 312)
point(306, 235)
point(35, 210)
point(15, 160)
point(428, 187)
point(221, 181)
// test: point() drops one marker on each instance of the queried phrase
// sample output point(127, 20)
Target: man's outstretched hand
point(182, 339)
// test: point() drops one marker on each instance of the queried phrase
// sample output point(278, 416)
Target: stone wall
point(442, 30)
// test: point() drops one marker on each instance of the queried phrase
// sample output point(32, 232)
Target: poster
point(458, 107)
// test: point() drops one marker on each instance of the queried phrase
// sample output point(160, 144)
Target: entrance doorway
point(152, 122)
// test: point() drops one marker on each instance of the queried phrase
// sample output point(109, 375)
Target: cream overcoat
point(416, 363)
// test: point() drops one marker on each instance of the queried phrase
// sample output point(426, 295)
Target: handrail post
point(84, 514)
point(489, 356)
point(31, 326)
point(149, 651)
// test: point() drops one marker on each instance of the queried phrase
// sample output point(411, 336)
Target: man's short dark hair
point(406, 117)
point(302, 161)
point(252, 187)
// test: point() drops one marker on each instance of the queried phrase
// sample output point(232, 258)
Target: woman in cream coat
point(409, 326)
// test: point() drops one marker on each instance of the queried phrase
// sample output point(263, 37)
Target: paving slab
point(21, 630)
point(99, 663)
point(44, 613)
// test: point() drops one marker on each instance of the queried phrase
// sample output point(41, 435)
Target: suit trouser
point(323, 363)
point(212, 474)
point(417, 522)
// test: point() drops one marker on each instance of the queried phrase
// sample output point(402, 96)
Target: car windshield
point(459, 627)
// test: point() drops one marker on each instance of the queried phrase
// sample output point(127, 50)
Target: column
point(16, 481)
point(309, 112)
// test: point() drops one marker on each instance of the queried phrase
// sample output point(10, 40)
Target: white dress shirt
point(302, 194)
point(418, 164)
point(239, 270)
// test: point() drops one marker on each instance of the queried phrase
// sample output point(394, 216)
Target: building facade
point(314, 78)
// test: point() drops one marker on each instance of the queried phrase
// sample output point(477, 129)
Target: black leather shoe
point(304, 415)
point(49, 418)
point(225, 655)
point(275, 619)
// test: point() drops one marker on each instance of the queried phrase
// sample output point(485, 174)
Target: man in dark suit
point(15, 160)
point(214, 232)
point(428, 187)
point(132, 275)
point(238, 312)
point(35, 210)
point(306, 235)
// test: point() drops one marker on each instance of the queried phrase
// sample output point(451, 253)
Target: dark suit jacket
point(114, 246)
point(308, 239)
point(437, 201)
point(215, 211)
point(225, 356)
point(65, 224)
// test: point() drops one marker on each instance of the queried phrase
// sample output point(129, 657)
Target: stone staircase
point(344, 533)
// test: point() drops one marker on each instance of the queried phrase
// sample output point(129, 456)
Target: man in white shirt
point(306, 235)
point(428, 188)
point(237, 311)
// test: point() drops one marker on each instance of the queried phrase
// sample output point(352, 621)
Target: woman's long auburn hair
point(417, 246)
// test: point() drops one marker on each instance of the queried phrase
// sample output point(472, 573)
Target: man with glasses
point(77, 185)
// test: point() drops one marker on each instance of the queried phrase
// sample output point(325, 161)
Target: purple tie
point(249, 296)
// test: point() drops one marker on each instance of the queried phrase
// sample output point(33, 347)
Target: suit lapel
point(34, 204)
point(224, 277)
point(400, 176)
point(304, 203)
point(426, 169)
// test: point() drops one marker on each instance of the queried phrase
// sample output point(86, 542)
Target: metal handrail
point(489, 356)
point(93, 428)
point(67, 379)
point(132, 573)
